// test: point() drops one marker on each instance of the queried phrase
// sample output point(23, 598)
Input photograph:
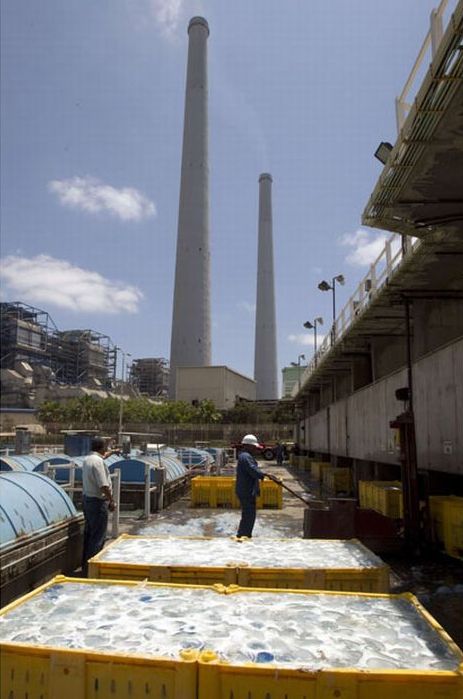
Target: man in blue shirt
point(248, 475)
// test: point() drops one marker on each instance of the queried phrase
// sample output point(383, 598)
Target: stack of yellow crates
point(219, 491)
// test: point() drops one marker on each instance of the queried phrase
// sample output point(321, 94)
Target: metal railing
point(397, 249)
point(70, 487)
point(152, 489)
point(430, 46)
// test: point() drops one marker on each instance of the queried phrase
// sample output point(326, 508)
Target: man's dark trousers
point(248, 516)
point(96, 524)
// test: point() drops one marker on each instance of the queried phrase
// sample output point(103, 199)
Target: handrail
point(432, 39)
point(378, 276)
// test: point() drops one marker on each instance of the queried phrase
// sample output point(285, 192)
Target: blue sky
point(92, 109)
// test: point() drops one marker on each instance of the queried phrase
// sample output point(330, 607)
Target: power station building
point(35, 355)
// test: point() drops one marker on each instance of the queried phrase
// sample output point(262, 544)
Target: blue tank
point(30, 502)
point(194, 457)
point(31, 462)
point(132, 467)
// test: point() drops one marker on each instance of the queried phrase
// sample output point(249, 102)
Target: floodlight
point(319, 320)
point(340, 279)
point(324, 286)
point(383, 151)
point(308, 325)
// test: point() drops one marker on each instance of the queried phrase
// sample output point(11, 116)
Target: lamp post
point(121, 401)
point(309, 325)
point(298, 364)
point(325, 286)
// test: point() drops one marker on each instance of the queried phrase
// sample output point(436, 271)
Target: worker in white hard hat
point(248, 475)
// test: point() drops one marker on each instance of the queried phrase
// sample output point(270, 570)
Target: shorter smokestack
point(265, 360)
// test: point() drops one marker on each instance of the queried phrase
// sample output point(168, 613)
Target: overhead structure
point(191, 323)
point(265, 359)
point(419, 192)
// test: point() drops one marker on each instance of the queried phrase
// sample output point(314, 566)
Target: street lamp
point(324, 286)
point(309, 326)
point(121, 401)
point(298, 364)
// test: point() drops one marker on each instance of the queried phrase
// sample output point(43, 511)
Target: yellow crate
point(362, 491)
point(99, 569)
point(337, 480)
point(372, 496)
point(271, 495)
point(453, 527)
point(371, 579)
point(437, 504)
point(42, 672)
point(308, 464)
point(45, 672)
point(201, 492)
point(221, 680)
point(390, 501)
point(334, 579)
point(219, 491)
point(317, 468)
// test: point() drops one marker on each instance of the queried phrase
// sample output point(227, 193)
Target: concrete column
point(191, 319)
point(265, 359)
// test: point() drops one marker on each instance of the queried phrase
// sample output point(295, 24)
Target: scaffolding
point(76, 357)
point(84, 357)
point(26, 335)
point(150, 376)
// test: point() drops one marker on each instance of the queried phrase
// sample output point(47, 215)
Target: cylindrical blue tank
point(194, 457)
point(31, 462)
point(41, 532)
point(133, 467)
point(30, 502)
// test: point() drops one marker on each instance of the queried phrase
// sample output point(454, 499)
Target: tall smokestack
point(265, 361)
point(191, 320)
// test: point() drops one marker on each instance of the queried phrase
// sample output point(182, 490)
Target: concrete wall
point(438, 389)
point(436, 322)
point(358, 426)
point(217, 383)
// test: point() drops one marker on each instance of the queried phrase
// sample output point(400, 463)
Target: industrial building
point(38, 360)
point(150, 376)
point(224, 386)
point(384, 392)
point(291, 377)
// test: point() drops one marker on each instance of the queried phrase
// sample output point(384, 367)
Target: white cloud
point(167, 14)
point(365, 246)
point(92, 195)
point(48, 281)
point(248, 307)
point(171, 16)
point(306, 339)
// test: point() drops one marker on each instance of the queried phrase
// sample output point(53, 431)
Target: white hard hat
point(251, 439)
